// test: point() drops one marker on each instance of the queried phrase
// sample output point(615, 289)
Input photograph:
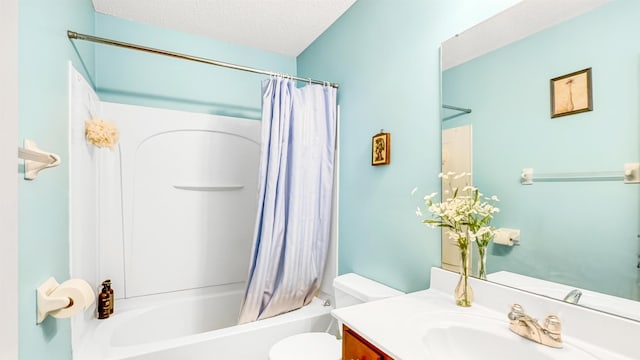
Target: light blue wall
point(579, 233)
point(133, 77)
point(44, 51)
point(385, 55)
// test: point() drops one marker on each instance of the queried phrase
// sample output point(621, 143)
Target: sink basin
point(461, 336)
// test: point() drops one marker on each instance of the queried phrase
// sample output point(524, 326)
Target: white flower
point(430, 196)
point(465, 213)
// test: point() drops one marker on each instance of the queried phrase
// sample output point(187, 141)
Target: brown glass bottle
point(103, 302)
point(112, 300)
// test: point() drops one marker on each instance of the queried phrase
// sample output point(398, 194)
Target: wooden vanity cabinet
point(354, 347)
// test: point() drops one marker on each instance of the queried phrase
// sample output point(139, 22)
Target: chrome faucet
point(529, 328)
point(573, 296)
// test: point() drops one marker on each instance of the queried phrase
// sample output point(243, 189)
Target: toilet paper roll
point(503, 238)
point(79, 291)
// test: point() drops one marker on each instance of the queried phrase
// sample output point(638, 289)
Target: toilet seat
point(308, 346)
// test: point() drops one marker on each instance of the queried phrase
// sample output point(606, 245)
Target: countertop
point(394, 325)
point(398, 325)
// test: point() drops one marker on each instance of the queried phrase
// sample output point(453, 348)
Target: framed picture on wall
point(571, 93)
point(381, 149)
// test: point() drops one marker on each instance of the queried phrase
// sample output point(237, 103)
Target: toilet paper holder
point(49, 301)
point(509, 237)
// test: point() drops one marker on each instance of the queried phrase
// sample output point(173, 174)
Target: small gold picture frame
point(381, 149)
point(571, 93)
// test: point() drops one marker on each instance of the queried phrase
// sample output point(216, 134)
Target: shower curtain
point(293, 222)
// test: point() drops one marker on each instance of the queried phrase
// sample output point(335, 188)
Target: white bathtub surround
point(178, 191)
point(293, 221)
point(403, 326)
point(188, 185)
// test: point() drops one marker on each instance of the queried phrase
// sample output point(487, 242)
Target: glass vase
point(482, 262)
point(463, 292)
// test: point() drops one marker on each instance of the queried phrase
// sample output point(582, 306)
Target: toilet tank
point(351, 289)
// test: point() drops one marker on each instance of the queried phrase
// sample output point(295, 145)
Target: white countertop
point(398, 325)
point(393, 325)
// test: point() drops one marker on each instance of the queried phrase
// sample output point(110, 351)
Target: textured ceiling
point(281, 26)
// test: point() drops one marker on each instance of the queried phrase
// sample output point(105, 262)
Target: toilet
point(349, 289)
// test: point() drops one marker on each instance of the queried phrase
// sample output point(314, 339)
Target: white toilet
point(349, 289)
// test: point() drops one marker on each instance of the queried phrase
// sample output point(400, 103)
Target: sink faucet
point(573, 296)
point(529, 328)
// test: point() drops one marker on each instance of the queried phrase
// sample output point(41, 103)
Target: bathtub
point(190, 325)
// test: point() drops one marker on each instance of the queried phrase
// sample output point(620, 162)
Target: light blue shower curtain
point(293, 222)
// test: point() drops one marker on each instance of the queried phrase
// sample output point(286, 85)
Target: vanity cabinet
point(354, 347)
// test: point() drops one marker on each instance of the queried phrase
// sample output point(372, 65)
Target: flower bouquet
point(467, 215)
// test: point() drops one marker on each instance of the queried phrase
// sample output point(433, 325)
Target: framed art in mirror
point(571, 93)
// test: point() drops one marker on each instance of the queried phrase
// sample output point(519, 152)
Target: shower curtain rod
point(78, 36)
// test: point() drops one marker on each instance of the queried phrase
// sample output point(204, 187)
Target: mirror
point(579, 221)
